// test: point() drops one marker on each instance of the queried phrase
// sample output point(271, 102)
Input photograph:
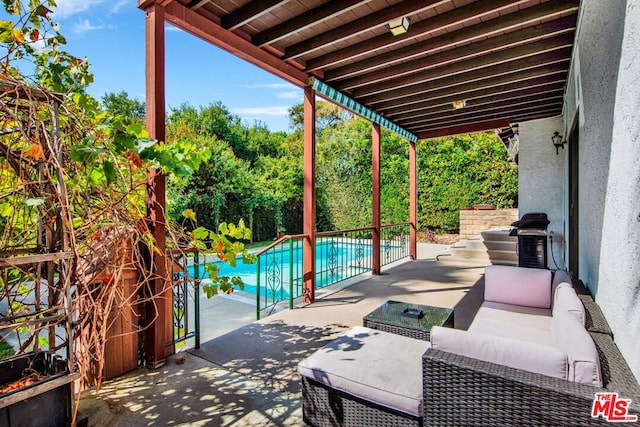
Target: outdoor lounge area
point(251, 376)
point(558, 79)
point(420, 340)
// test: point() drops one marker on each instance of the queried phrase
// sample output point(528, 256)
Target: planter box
point(46, 402)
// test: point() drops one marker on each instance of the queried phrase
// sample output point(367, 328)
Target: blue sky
point(110, 33)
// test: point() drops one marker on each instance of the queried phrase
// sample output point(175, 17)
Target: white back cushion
point(566, 300)
point(529, 287)
point(571, 336)
point(560, 276)
point(518, 354)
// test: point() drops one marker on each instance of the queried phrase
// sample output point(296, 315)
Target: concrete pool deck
point(248, 375)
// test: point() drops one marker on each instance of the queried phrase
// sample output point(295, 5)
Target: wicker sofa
point(394, 380)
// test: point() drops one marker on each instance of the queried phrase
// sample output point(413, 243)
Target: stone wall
point(472, 222)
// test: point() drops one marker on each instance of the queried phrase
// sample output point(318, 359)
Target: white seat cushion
point(530, 317)
point(513, 321)
point(379, 367)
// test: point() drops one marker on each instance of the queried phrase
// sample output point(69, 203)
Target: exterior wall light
point(459, 104)
point(557, 141)
point(399, 26)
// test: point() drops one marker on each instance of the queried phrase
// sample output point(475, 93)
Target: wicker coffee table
point(410, 320)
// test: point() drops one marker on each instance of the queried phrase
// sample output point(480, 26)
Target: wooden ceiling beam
point(507, 56)
point(550, 82)
point(509, 116)
point(424, 28)
point(306, 20)
point(249, 12)
point(556, 88)
point(351, 29)
point(495, 27)
point(500, 107)
point(510, 45)
point(559, 55)
point(196, 4)
point(199, 26)
point(507, 82)
point(464, 128)
point(420, 28)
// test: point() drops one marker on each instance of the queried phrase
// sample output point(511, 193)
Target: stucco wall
point(604, 94)
point(596, 75)
point(541, 180)
point(618, 287)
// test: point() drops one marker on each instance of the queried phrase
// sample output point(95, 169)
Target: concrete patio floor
point(248, 376)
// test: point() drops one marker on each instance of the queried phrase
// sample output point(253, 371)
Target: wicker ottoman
point(364, 377)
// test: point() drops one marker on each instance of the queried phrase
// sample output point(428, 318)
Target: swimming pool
point(281, 266)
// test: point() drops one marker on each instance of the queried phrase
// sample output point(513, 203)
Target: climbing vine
point(73, 199)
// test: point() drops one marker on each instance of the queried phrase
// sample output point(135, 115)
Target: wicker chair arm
point(460, 390)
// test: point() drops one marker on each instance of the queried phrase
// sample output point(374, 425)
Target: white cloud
point(262, 111)
point(118, 5)
point(296, 94)
point(85, 26)
point(67, 8)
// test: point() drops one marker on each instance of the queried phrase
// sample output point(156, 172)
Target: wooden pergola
point(461, 66)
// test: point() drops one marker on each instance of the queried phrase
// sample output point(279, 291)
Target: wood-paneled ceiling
point(506, 59)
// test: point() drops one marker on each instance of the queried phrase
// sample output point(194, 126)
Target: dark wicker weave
point(595, 321)
point(462, 391)
point(323, 406)
point(398, 330)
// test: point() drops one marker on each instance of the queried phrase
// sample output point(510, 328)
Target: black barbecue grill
point(531, 230)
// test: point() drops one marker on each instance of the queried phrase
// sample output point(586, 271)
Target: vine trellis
point(63, 248)
point(74, 226)
point(77, 251)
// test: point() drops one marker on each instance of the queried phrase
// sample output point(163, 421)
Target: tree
point(344, 172)
point(120, 104)
point(224, 176)
point(327, 115)
point(459, 172)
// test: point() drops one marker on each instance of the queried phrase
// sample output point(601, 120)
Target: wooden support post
point(309, 216)
point(375, 195)
point(159, 309)
point(413, 201)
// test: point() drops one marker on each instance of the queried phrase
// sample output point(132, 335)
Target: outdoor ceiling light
point(557, 141)
point(459, 104)
point(399, 26)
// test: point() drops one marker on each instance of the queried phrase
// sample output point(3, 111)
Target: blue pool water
point(331, 259)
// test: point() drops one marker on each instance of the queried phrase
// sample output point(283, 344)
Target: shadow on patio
point(249, 376)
